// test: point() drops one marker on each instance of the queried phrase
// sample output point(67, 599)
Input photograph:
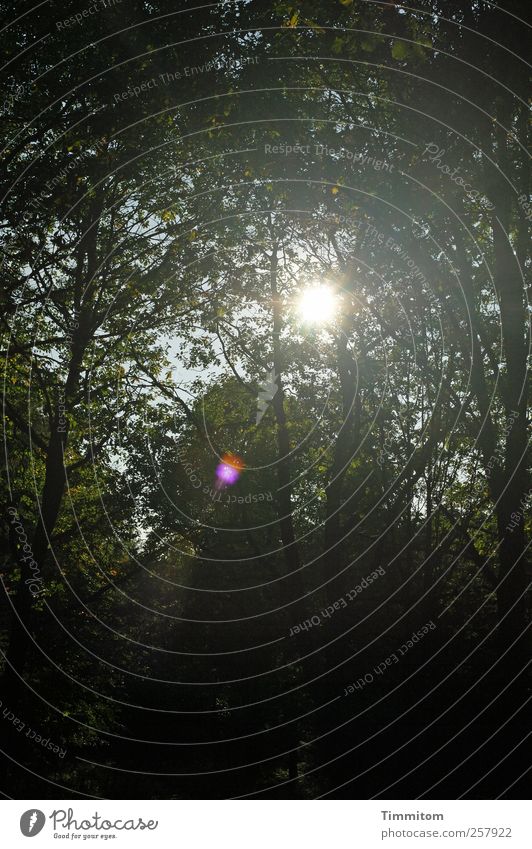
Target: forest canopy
point(265, 339)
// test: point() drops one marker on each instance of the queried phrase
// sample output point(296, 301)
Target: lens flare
point(229, 470)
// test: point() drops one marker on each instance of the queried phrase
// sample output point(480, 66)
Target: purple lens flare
point(228, 471)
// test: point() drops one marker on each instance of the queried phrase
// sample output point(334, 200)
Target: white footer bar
point(267, 824)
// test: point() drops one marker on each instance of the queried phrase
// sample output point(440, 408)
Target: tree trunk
point(284, 492)
point(23, 625)
point(514, 483)
point(343, 452)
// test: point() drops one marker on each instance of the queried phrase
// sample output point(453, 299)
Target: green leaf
point(400, 50)
point(292, 22)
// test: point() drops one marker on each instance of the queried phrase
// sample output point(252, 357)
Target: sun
point(317, 305)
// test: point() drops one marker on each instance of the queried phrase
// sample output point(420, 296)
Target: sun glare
point(317, 305)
